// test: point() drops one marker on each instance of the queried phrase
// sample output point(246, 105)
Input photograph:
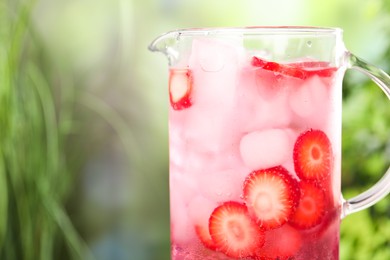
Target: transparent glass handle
point(382, 187)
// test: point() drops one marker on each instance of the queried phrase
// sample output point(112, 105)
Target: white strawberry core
point(179, 85)
point(236, 230)
point(263, 203)
point(268, 199)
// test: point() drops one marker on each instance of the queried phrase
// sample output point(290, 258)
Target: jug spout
point(167, 44)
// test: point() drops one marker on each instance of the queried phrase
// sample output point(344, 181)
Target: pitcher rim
point(248, 31)
point(259, 30)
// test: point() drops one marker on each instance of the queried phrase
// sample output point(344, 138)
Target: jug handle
point(382, 187)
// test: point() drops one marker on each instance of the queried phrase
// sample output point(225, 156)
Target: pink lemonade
point(254, 155)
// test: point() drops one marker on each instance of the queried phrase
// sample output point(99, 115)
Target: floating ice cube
point(182, 184)
point(301, 102)
point(216, 85)
point(215, 67)
point(180, 195)
point(208, 129)
point(200, 209)
point(261, 106)
point(181, 229)
point(206, 162)
point(223, 185)
point(213, 54)
point(267, 113)
point(310, 103)
point(210, 56)
point(266, 148)
point(177, 146)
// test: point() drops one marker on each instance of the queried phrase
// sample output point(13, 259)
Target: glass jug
point(255, 141)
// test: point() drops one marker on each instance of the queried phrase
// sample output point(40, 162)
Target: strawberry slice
point(204, 236)
point(302, 70)
point(313, 155)
point(311, 208)
point(319, 68)
point(233, 231)
point(281, 243)
point(279, 68)
point(330, 221)
point(271, 195)
point(180, 87)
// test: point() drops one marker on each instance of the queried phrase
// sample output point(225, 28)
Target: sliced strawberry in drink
point(233, 231)
point(279, 68)
point(311, 64)
point(271, 195)
point(321, 72)
point(311, 208)
point(282, 243)
point(204, 236)
point(313, 155)
point(320, 68)
point(300, 70)
point(329, 223)
point(180, 87)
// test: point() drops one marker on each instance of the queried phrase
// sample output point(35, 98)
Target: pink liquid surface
point(234, 113)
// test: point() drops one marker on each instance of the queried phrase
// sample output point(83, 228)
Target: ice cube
point(263, 114)
point(182, 184)
point(181, 229)
point(258, 109)
point(177, 148)
point(208, 129)
point(200, 209)
point(205, 161)
point(213, 54)
point(210, 56)
point(214, 65)
point(215, 87)
point(310, 103)
point(181, 193)
point(266, 148)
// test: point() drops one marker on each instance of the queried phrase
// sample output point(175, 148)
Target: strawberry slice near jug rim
point(300, 70)
point(180, 88)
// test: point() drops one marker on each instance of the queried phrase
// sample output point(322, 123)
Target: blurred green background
point(83, 121)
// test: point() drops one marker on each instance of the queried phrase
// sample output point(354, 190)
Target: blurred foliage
point(35, 177)
point(83, 136)
point(366, 152)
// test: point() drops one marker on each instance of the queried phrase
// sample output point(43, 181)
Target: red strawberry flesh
point(204, 236)
point(281, 243)
point(311, 208)
point(233, 231)
point(313, 155)
point(271, 196)
point(301, 70)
